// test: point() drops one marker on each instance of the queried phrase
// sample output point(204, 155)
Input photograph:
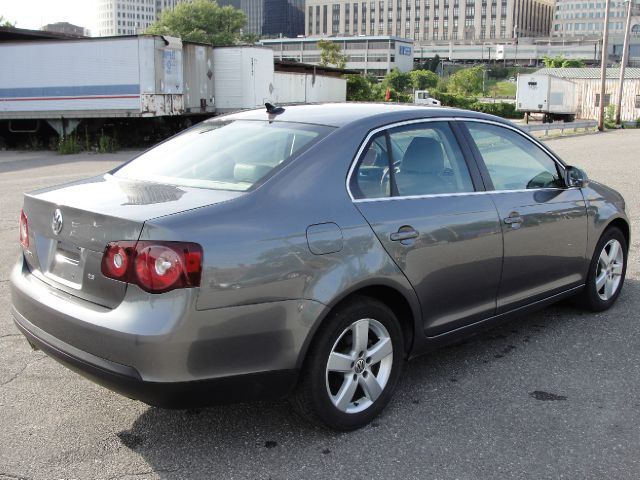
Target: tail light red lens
point(156, 267)
point(24, 230)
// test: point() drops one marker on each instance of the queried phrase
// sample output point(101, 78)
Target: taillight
point(154, 266)
point(24, 230)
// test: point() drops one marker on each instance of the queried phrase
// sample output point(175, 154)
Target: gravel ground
point(555, 394)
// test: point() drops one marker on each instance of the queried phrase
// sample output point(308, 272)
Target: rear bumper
point(127, 381)
point(162, 350)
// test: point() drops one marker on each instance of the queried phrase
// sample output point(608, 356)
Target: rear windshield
point(225, 155)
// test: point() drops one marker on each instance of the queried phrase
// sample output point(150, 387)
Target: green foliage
point(331, 54)
point(610, 116)
point(503, 89)
point(430, 64)
point(423, 79)
point(69, 145)
point(201, 21)
point(397, 81)
point(467, 81)
point(561, 62)
point(6, 23)
point(360, 88)
point(498, 72)
point(107, 144)
point(249, 38)
point(500, 109)
point(452, 100)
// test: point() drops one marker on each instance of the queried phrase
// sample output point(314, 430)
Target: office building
point(129, 17)
point(375, 55)
point(67, 29)
point(430, 20)
point(579, 18)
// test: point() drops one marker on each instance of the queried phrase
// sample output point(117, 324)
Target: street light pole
point(604, 54)
point(623, 66)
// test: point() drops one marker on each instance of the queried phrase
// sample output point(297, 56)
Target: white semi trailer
point(106, 81)
point(554, 97)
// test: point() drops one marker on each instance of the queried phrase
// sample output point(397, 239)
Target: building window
point(637, 101)
point(607, 99)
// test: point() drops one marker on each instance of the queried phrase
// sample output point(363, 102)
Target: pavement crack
point(148, 472)
point(13, 476)
point(21, 371)
point(11, 335)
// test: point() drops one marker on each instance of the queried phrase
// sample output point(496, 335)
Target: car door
point(421, 195)
point(544, 222)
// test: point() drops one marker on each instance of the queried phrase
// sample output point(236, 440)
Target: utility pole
point(623, 65)
point(604, 54)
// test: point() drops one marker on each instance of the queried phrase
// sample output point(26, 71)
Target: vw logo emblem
point(57, 222)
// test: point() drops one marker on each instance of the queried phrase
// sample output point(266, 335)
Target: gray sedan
point(307, 252)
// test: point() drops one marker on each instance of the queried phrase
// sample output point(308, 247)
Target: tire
point(605, 280)
point(344, 396)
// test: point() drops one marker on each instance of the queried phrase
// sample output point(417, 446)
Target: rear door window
point(426, 158)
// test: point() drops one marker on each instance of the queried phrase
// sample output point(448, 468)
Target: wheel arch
point(406, 312)
point(623, 226)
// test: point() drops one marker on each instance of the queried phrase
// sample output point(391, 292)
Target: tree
point(423, 79)
point(331, 54)
point(6, 23)
point(249, 38)
point(360, 88)
point(467, 81)
point(434, 64)
point(397, 81)
point(201, 21)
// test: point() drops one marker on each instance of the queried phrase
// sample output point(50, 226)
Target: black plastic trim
point(126, 380)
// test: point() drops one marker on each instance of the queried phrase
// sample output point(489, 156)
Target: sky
point(33, 14)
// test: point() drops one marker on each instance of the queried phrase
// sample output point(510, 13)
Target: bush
point(609, 117)
point(500, 109)
point(467, 81)
point(107, 144)
point(453, 100)
point(69, 145)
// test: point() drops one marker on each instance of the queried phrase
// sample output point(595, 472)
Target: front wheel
point(352, 367)
point(606, 272)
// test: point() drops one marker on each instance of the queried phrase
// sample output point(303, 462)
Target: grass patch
point(502, 89)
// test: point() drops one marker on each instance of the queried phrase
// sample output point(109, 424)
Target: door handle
point(404, 233)
point(513, 219)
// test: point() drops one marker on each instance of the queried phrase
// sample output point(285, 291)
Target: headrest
point(424, 156)
point(249, 172)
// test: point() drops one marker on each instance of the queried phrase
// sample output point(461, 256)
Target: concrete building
point(587, 82)
point(128, 17)
point(577, 17)
point(374, 55)
point(422, 20)
point(67, 29)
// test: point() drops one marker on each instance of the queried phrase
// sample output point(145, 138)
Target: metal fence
point(562, 126)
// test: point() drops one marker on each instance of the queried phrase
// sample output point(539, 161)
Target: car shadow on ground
point(179, 443)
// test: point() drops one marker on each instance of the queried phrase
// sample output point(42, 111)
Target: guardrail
point(562, 126)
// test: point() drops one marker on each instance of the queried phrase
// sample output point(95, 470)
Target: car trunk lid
point(70, 226)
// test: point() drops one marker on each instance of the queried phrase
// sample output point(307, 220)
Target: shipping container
point(199, 92)
point(92, 78)
point(243, 77)
point(289, 87)
point(554, 97)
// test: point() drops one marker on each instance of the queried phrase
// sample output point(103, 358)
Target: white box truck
point(554, 97)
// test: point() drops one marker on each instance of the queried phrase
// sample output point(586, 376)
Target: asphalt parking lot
point(555, 394)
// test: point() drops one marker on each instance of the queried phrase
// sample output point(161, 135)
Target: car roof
point(341, 114)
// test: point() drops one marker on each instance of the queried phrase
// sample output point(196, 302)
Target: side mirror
point(576, 177)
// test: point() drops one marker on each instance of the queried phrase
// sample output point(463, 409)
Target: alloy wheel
point(609, 270)
point(359, 365)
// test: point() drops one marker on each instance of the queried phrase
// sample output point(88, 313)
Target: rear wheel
point(606, 272)
point(352, 367)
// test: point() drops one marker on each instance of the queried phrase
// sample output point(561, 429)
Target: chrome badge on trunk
point(57, 222)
